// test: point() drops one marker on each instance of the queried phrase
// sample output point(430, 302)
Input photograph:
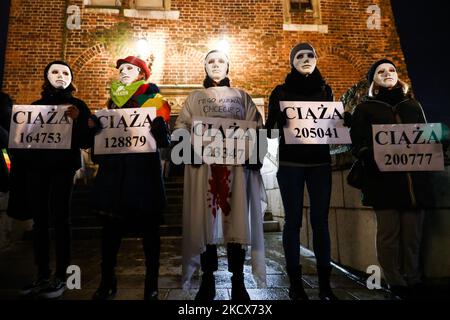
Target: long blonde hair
point(375, 88)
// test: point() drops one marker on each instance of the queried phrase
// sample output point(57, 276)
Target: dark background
point(423, 27)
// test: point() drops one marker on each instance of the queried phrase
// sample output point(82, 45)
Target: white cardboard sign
point(314, 122)
point(408, 147)
point(125, 131)
point(40, 127)
point(223, 140)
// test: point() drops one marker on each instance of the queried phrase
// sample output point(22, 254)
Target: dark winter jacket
point(130, 185)
point(299, 88)
point(388, 190)
point(82, 137)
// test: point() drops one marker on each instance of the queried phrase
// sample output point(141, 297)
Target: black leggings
point(235, 254)
point(50, 193)
point(112, 234)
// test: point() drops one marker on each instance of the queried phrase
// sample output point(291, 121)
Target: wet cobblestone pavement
point(17, 270)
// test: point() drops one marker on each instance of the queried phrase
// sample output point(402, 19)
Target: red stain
point(220, 189)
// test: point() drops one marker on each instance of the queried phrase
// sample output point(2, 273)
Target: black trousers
point(112, 234)
point(49, 194)
point(235, 254)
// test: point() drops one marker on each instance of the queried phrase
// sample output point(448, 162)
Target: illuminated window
point(135, 4)
point(301, 5)
point(103, 3)
point(149, 4)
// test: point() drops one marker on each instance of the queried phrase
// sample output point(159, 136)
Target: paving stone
point(180, 294)
point(335, 282)
point(268, 294)
point(17, 270)
point(277, 281)
point(366, 294)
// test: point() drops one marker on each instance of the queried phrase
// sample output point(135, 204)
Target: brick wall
point(259, 47)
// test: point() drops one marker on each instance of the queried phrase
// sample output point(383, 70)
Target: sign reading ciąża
point(223, 140)
point(314, 122)
point(40, 127)
point(408, 147)
point(125, 131)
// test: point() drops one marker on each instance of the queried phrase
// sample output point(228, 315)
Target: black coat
point(388, 190)
point(299, 88)
point(44, 160)
point(129, 185)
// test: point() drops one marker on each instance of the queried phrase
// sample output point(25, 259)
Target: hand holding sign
point(72, 112)
point(91, 123)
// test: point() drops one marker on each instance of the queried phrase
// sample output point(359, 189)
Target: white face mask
point(128, 73)
point(386, 75)
point(216, 65)
point(59, 76)
point(305, 61)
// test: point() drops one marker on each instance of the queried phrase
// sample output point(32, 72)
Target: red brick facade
point(259, 47)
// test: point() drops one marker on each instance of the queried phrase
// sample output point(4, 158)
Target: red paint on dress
point(219, 188)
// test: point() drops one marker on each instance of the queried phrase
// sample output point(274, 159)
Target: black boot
point(207, 290)
point(400, 293)
point(209, 263)
point(238, 290)
point(236, 259)
point(111, 239)
point(296, 290)
point(151, 286)
point(107, 288)
point(325, 292)
point(151, 243)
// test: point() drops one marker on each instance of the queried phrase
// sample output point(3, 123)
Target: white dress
point(222, 204)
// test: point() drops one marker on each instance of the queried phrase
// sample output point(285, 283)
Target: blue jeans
point(292, 182)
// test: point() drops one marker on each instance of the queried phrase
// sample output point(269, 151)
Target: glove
point(261, 150)
point(347, 119)
point(445, 146)
point(367, 157)
point(94, 123)
point(364, 154)
point(254, 167)
point(160, 132)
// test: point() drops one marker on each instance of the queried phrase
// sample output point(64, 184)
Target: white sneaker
point(35, 288)
point(54, 290)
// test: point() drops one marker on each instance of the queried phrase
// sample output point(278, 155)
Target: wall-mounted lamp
point(224, 46)
point(143, 49)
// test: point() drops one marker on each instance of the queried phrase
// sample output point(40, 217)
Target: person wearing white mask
point(398, 198)
point(303, 164)
point(42, 181)
point(221, 203)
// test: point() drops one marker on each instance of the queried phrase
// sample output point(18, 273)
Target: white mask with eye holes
point(216, 65)
point(386, 75)
point(128, 73)
point(305, 61)
point(59, 76)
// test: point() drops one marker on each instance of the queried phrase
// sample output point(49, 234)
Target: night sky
point(424, 27)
